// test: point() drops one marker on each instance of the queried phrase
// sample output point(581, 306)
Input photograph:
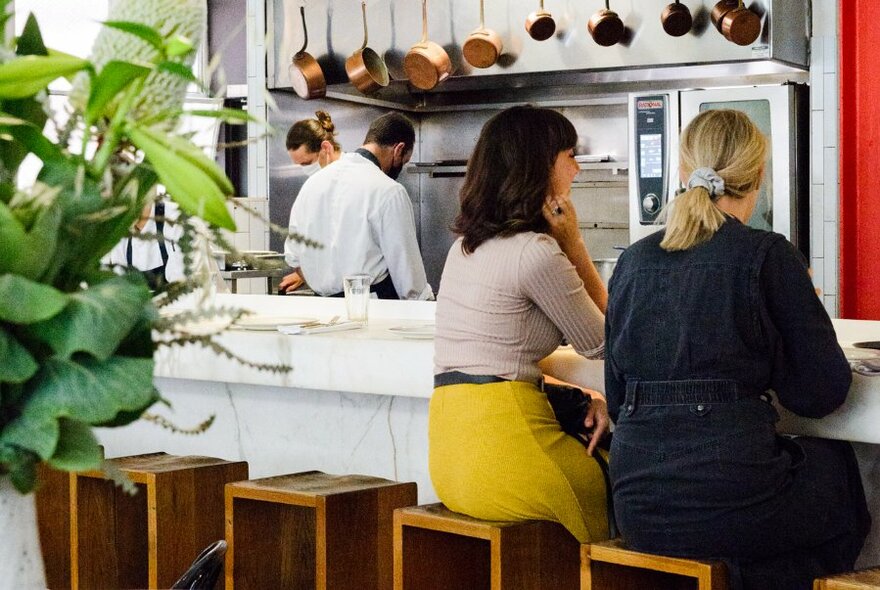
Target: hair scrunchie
point(708, 179)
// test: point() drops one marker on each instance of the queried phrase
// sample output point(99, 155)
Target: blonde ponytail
point(692, 218)
point(730, 144)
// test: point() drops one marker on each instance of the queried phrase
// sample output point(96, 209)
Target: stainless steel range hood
point(570, 59)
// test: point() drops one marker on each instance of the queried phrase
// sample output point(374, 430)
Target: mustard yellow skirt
point(496, 452)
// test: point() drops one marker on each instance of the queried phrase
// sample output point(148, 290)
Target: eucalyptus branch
point(279, 229)
point(173, 324)
point(167, 424)
point(117, 476)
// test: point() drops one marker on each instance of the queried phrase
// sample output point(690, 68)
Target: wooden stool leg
point(525, 559)
point(108, 537)
point(292, 563)
point(53, 519)
point(441, 561)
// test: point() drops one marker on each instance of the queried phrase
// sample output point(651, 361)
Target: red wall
point(859, 51)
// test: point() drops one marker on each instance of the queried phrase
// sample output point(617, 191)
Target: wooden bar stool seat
point(609, 565)
point(149, 539)
point(867, 579)
point(312, 530)
point(438, 549)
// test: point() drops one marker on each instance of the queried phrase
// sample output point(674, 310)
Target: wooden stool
point(868, 579)
point(312, 530)
point(149, 539)
point(438, 549)
point(52, 497)
point(608, 565)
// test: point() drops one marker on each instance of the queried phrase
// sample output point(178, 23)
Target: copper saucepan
point(426, 63)
point(482, 47)
point(719, 10)
point(676, 19)
point(365, 68)
point(605, 27)
point(737, 23)
point(540, 24)
point(306, 76)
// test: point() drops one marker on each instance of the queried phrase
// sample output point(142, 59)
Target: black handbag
point(571, 405)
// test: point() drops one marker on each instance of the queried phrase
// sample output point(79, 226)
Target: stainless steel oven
point(781, 112)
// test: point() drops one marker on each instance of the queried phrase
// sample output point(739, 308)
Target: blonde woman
point(311, 143)
point(703, 321)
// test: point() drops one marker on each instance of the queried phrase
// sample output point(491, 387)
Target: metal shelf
point(435, 169)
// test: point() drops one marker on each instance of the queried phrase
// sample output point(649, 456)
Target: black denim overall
point(696, 341)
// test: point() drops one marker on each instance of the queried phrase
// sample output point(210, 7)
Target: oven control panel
point(651, 118)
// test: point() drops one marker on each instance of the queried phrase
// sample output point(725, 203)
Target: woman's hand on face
point(562, 217)
point(598, 420)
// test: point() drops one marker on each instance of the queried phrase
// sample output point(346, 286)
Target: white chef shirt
point(145, 254)
point(364, 220)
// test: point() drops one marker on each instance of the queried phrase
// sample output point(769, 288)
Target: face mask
point(309, 169)
point(394, 172)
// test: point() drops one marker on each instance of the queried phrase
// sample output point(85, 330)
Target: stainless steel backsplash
point(599, 192)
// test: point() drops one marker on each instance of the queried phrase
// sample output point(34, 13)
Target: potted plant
point(76, 338)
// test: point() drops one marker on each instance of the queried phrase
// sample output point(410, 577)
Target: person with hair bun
point(707, 321)
point(311, 143)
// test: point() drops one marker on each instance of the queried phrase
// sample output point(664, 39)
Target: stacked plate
point(423, 332)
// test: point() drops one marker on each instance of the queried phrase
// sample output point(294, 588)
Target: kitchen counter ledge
point(374, 360)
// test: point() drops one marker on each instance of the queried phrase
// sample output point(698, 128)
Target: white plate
point(265, 322)
point(414, 332)
point(858, 354)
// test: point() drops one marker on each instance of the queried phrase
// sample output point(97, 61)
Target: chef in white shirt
point(311, 144)
point(362, 217)
point(160, 260)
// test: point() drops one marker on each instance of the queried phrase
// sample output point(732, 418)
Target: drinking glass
point(357, 296)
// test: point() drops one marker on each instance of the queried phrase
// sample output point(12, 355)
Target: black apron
point(155, 276)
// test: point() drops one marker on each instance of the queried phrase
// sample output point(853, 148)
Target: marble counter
point(357, 401)
point(372, 359)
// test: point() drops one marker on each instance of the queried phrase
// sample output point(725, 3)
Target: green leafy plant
point(77, 339)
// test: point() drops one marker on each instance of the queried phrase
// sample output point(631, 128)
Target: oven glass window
point(759, 112)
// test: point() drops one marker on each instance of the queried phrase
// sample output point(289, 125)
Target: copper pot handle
point(424, 22)
point(364, 12)
point(302, 14)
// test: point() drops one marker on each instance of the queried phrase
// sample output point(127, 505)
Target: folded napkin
point(319, 328)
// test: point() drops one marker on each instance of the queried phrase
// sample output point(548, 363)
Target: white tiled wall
point(824, 122)
point(256, 55)
point(253, 234)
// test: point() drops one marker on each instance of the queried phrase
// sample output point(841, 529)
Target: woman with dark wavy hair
point(512, 290)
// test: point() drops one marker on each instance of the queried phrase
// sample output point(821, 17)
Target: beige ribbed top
point(509, 304)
